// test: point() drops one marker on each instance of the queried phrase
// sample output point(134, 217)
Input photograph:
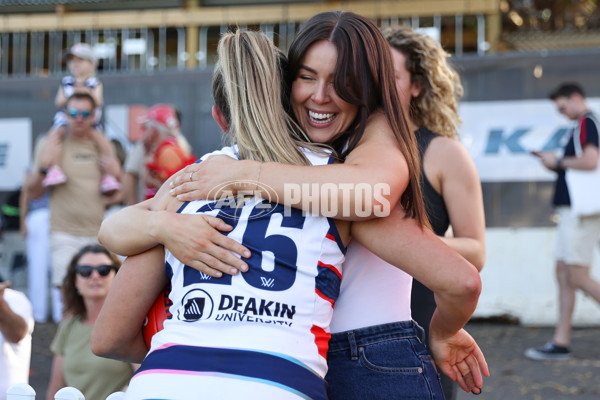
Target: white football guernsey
point(262, 334)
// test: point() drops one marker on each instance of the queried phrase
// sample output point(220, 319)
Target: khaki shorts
point(63, 247)
point(576, 237)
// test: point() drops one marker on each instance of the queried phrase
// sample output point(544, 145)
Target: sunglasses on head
point(86, 270)
point(73, 113)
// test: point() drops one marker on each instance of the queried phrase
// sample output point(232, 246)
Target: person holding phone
point(576, 234)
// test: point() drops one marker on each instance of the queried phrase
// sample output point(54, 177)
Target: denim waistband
point(373, 334)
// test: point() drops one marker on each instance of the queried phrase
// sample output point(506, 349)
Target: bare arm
point(118, 330)
point(98, 94)
point(455, 282)
point(60, 99)
point(96, 91)
point(57, 377)
point(587, 162)
point(47, 153)
point(109, 163)
point(376, 164)
point(196, 240)
point(451, 171)
point(23, 206)
point(34, 185)
point(12, 326)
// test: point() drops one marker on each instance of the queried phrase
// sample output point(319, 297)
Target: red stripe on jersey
point(582, 132)
point(331, 267)
point(330, 237)
point(321, 295)
point(321, 340)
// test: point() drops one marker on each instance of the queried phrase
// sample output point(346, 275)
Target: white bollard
point(116, 396)
point(69, 393)
point(20, 391)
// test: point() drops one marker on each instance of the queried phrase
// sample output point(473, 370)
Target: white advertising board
point(15, 151)
point(499, 136)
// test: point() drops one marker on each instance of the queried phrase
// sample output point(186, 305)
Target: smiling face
point(94, 286)
point(320, 111)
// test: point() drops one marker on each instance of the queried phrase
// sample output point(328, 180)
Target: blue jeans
point(385, 362)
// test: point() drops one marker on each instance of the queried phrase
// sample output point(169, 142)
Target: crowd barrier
point(22, 391)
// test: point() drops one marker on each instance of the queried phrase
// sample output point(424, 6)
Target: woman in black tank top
point(430, 89)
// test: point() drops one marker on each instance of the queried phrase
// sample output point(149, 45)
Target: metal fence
point(40, 53)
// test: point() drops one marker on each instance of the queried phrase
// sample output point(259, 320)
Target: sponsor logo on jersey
point(198, 305)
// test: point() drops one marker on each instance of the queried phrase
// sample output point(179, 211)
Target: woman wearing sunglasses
point(89, 276)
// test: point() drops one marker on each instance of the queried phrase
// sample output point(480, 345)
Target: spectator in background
point(115, 201)
point(82, 64)
point(76, 207)
point(16, 326)
point(86, 284)
point(167, 151)
point(577, 233)
point(429, 90)
point(35, 228)
point(134, 170)
point(134, 176)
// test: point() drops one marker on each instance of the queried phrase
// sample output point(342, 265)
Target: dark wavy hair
point(364, 77)
point(72, 300)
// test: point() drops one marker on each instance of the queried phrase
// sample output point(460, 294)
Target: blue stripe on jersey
point(182, 207)
point(168, 271)
point(328, 282)
point(244, 364)
point(333, 231)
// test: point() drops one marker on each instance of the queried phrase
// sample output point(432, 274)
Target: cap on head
point(81, 50)
point(162, 114)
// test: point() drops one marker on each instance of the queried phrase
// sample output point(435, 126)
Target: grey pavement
point(41, 358)
point(512, 375)
point(515, 377)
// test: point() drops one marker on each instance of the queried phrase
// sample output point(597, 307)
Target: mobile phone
point(535, 153)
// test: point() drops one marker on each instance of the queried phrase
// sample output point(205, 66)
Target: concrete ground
point(515, 377)
point(512, 375)
point(41, 358)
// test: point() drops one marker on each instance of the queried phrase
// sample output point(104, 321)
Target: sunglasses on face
point(86, 270)
point(73, 113)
